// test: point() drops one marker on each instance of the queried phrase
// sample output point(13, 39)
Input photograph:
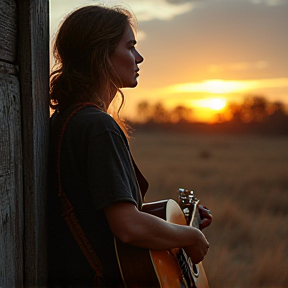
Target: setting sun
point(217, 103)
point(210, 103)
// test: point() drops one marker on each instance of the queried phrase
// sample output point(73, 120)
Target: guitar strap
point(68, 212)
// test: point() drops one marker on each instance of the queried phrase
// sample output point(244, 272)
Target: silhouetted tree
point(144, 111)
point(160, 114)
point(181, 114)
point(278, 120)
point(254, 115)
point(254, 109)
point(236, 112)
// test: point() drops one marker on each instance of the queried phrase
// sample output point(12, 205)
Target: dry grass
point(244, 181)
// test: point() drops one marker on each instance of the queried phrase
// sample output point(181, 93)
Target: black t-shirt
point(97, 170)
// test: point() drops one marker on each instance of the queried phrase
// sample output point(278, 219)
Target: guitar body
point(142, 267)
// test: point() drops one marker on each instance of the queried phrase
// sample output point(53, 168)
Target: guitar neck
point(195, 217)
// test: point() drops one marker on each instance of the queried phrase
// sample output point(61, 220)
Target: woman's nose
point(138, 59)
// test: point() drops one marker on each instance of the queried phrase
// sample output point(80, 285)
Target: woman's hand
point(197, 251)
point(206, 217)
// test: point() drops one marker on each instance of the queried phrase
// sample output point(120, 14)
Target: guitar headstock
point(188, 203)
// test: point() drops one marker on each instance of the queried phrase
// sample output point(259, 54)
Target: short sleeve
point(110, 171)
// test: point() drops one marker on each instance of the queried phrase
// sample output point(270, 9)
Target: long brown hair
point(82, 49)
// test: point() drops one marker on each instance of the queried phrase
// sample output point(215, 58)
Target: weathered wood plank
point(33, 16)
point(8, 30)
point(11, 184)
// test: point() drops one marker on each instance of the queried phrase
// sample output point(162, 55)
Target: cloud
point(217, 86)
point(238, 66)
point(177, 2)
point(147, 10)
point(140, 35)
point(269, 2)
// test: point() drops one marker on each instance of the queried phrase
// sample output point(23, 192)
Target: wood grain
point(24, 114)
point(8, 30)
point(11, 184)
point(34, 77)
point(11, 187)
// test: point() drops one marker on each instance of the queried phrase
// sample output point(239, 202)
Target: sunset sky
point(204, 53)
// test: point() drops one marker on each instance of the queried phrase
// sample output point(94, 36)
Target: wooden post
point(11, 184)
point(24, 113)
point(33, 17)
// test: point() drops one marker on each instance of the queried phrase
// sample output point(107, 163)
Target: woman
point(91, 167)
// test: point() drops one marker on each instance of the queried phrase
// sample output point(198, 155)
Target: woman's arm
point(141, 229)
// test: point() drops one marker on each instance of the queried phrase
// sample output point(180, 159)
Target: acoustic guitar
point(142, 267)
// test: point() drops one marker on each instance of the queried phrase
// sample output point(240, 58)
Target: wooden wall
point(11, 181)
point(24, 113)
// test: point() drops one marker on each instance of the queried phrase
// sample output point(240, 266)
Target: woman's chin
point(131, 85)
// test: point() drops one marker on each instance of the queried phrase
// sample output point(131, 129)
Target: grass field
point(244, 181)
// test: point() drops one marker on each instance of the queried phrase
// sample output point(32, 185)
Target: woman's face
point(126, 58)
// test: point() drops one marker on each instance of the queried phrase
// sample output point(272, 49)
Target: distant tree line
point(158, 113)
point(254, 115)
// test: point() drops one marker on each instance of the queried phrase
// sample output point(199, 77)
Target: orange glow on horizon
point(207, 99)
point(210, 86)
point(205, 109)
point(219, 86)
